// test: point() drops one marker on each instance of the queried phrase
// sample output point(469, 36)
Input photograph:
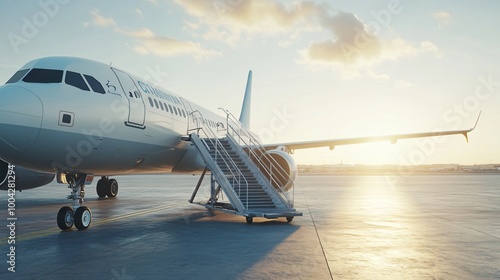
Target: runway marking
point(319, 239)
point(56, 230)
point(134, 214)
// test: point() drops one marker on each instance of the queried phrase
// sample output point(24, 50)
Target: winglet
point(476, 121)
point(465, 134)
point(245, 108)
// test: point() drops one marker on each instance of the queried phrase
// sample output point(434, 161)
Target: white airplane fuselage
point(52, 123)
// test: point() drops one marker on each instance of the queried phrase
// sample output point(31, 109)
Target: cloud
point(443, 18)
point(167, 46)
point(100, 20)
point(350, 44)
point(138, 12)
point(378, 77)
point(427, 46)
point(147, 42)
point(232, 17)
point(398, 48)
point(250, 14)
point(216, 34)
point(151, 43)
point(139, 33)
point(351, 41)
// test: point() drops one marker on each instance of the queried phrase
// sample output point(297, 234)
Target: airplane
point(75, 119)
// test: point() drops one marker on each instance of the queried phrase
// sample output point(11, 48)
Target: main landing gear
point(79, 215)
point(107, 187)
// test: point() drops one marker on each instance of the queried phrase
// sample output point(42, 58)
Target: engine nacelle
point(284, 174)
point(24, 178)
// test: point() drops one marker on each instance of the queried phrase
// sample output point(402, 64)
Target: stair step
point(266, 199)
point(254, 191)
point(250, 191)
point(258, 195)
point(251, 202)
point(242, 180)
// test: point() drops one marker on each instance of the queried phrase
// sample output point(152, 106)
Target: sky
point(321, 69)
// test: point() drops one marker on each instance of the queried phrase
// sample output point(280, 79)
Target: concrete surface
point(354, 227)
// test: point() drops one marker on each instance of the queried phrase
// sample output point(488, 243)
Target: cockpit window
point(37, 75)
point(76, 80)
point(17, 76)
point(94, 84)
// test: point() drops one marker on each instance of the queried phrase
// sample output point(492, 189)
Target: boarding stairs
point(234, 158)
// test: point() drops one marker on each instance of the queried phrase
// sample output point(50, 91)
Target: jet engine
point(24, 178)
point(282, 168)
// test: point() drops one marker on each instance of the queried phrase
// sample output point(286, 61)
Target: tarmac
point(354, 227)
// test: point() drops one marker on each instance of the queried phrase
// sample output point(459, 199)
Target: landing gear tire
point(249, 220)
point(289, 219)
point(112, 188)
point(78, 215)
point(101, 188)
point(83, 217)
point(107, 187)
point(65, 218)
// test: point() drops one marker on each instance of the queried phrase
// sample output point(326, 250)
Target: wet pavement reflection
point(354, 227)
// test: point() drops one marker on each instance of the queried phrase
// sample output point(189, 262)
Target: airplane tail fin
point(245, 108)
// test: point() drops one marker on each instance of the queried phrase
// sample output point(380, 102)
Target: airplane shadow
point(178, 242)
point(217, 244)
point(191, 243)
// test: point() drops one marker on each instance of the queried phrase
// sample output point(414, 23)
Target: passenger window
point(175, 111)
point(156, 103)
point(161, 106)
point(46, 76)
point(94, 84)
point(166, 108)
point(170, 107)
point(76, 80)
point(151, 102)
point(183, 113)
point(17, 76)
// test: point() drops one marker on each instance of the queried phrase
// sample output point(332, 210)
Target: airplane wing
point(348, 141)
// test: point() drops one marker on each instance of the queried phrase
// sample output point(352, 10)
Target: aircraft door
point(189, 110)
point(137, 108)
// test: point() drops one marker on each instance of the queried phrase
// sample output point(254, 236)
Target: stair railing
point(271, 169)
point(236, 177)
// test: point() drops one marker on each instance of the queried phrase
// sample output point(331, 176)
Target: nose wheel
point(65, 218)
point(80, 216)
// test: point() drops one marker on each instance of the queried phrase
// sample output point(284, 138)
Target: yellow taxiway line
point(56, 230)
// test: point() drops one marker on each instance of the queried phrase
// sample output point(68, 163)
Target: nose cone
point(21, 114)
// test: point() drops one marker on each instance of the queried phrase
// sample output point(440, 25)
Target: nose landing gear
point(79, 215)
